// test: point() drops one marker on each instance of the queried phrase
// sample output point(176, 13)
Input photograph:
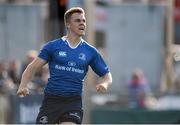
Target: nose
point(82, 24)
point(83, 21)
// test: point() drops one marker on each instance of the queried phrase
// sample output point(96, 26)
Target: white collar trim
point(65, 40)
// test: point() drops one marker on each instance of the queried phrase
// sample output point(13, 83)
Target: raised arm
point(106, 81)
point(36, 64)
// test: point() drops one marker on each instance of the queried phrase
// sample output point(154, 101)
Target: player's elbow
point(108, 78)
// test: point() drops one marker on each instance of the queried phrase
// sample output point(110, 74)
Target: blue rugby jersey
point(68, 66)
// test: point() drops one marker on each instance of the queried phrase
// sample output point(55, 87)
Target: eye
point(78, 20)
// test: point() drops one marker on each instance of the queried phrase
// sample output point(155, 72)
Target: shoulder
point(89, 47)
point(54, 42)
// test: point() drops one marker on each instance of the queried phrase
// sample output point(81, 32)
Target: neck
point(73, 40)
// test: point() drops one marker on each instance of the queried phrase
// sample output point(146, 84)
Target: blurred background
point(139, 40)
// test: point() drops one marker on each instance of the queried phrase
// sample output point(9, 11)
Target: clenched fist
point(23, 91)
point(102, 87)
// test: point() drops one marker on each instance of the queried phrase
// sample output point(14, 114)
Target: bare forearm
point(107, 79)
point(105, 82)
point(27, 75)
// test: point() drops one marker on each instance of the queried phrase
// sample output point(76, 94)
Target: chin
point(81, 34)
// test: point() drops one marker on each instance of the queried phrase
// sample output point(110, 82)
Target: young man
point(68, 59)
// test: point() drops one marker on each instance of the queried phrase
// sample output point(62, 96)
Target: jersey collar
point(66, 41)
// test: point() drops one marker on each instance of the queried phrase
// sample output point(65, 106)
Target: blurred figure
point(138, 89)
point(31, 55)
point(6, 88)
point(13, 71)
point(6, 83)
point(40, 79)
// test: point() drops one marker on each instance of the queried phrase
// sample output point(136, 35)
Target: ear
point(67, 25)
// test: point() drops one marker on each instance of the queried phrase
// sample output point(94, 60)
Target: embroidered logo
point(82, 56)
point(75, 115)
point(71, 63)
point(43, 119)
point(62, 53)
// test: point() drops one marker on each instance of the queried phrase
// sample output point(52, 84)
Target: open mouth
point(81, 29)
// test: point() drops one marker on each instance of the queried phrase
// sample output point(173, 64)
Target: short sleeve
point(98, 64)
point(46, 52)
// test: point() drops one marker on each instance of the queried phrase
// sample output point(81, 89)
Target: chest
point(71, 57)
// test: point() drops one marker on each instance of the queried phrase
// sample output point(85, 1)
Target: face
point(77, 24)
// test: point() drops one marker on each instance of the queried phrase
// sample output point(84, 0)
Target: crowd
point(11, 71)
point(10, 76)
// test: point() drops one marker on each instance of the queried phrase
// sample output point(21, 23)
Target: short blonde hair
point(71, 11)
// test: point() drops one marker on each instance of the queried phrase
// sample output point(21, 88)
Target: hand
point(101, 87)
point(23, 91)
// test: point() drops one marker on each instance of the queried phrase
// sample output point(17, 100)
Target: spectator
point(31, 55)
point(5, 81)
point(13, 71)
point(41, 79)
point(138, 89)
